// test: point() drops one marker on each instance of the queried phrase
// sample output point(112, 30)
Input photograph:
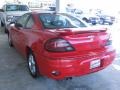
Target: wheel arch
point(28, 49)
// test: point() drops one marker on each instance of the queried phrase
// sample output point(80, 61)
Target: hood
point(16, 13)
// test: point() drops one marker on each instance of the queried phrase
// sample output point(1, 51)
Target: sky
point(105, 4)
point(110, 5)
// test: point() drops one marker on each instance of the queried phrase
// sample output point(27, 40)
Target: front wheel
point(102, 22)
point(6, 30)
point(85, 19)
point(93, 23)
point(110, 23)
point(2, 24)
point(32, 66)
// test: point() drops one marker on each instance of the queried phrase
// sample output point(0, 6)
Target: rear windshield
point(16, 8)
point(53, 21)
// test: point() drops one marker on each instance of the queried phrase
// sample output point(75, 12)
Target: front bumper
point(75, 66)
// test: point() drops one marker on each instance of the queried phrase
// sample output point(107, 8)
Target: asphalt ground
point(14, 74)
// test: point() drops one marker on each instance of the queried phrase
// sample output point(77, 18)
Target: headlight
point(9, 18)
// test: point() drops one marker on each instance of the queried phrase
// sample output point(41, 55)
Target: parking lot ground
point(14, 74)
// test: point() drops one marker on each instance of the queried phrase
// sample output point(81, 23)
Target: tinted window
point(23, 19)
point(77, 21)
point(30, 23)
point(16, 8)
point(52, 21)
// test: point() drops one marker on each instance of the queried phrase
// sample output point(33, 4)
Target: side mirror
point(18, 25)
point(1, 10)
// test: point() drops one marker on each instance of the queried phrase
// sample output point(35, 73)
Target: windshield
point(53, 21)
point(16, 8)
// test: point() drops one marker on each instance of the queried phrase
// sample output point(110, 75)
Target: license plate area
point(95, 63)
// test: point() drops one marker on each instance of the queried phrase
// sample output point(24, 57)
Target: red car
point(60, 46)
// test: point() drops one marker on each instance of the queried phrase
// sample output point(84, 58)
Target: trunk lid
point(84, 38)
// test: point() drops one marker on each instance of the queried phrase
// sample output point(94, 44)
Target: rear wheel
point(93, 23)
point(32, 66)
point(101, 21)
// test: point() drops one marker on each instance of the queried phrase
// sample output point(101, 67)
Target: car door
point(25, 34)
point(19, 34)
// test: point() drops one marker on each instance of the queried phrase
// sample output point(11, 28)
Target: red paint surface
point(88, 46)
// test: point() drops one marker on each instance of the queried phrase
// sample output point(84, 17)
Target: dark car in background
point(106, 19)
point(11, 12)
point(52, 8)
point(89, 18)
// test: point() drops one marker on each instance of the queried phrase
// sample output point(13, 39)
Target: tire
point(6, 30)
point(110, 23)
point(93, 23)
point(32, 65)
point(102, 22)
point(85, 19)
point(2, 24)
point(10, 41)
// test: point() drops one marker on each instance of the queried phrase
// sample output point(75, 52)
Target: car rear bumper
point(70, 67)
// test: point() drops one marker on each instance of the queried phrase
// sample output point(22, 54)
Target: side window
point(4, 7)
point(23, 19)
point(30, 23)
point(77, 22)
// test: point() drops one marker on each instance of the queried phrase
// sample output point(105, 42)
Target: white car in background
point(11, 12)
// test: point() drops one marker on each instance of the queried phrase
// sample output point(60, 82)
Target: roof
point(15, 4)
point(41, 11)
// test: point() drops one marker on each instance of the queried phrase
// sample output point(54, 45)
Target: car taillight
point(58, 45)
